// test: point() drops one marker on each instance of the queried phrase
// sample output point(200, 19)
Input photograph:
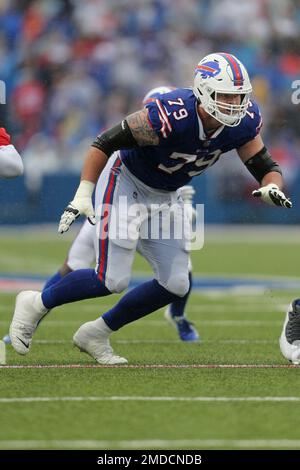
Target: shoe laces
point(27, 329)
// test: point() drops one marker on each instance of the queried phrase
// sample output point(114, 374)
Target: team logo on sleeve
point(208, 69)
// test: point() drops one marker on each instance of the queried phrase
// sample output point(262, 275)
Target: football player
point(145, 159)
point(11, 164)
point(82, 254)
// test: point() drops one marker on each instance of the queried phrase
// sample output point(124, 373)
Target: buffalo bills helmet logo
point(208, 69)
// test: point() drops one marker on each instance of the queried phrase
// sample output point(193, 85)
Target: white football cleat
point(290, 337)
point(90, 340)
point(29, 311)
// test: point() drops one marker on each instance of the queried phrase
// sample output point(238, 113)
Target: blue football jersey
point(184, 149)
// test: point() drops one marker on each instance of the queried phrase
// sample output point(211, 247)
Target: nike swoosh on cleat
point(25, 344)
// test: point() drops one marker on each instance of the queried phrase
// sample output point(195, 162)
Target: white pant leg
point(115, 249)
point(82, 252)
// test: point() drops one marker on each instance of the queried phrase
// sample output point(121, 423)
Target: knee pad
point(178, 284)
point(77, 263)
point(117, 285)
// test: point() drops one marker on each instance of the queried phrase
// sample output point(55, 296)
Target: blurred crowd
point(74, 67)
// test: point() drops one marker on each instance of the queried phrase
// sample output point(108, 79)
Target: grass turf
point(235, 329)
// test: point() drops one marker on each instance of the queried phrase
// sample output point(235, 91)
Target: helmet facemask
point(225, 112)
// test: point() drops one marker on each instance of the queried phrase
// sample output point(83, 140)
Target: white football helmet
point(218, 74)
point(155, 92)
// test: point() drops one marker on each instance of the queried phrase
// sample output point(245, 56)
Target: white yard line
point(168, 341)
point(142, 398)
point(153, 444)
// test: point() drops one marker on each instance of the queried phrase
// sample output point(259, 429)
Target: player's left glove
point(187, 192)
point(81, 204)
point(272, 195)
point(4, 137)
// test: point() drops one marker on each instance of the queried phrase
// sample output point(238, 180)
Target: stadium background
point(72, 68)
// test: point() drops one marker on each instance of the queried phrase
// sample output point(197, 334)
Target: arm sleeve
point(261, 164)
point(116, 138)
point(251, 125)
point(11, 164)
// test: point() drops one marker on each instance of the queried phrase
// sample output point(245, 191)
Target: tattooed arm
point(134, 131)
point(141, 128)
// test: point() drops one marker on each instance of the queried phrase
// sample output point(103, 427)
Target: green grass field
point(158, 407)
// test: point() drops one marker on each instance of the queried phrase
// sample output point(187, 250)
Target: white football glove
point(272, 195)
point(81, 204)
point(186, 192)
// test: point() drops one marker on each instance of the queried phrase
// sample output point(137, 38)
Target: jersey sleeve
point(251, 124)
point(169, 117)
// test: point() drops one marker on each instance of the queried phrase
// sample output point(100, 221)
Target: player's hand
point(4, 137)
point(81, 204)
point(187, 192)
point(73, 210)
point(272, 195)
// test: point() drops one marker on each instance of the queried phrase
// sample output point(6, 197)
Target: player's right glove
point(4, 137)
point(187, 192)
point(272, 195)
point(81, 204)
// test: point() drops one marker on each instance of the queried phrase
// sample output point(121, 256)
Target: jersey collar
point(202, 133)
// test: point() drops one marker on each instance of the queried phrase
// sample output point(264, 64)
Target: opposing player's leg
point(290, 337)
point(83, 283)
point(176, 316)
point(175, 312)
